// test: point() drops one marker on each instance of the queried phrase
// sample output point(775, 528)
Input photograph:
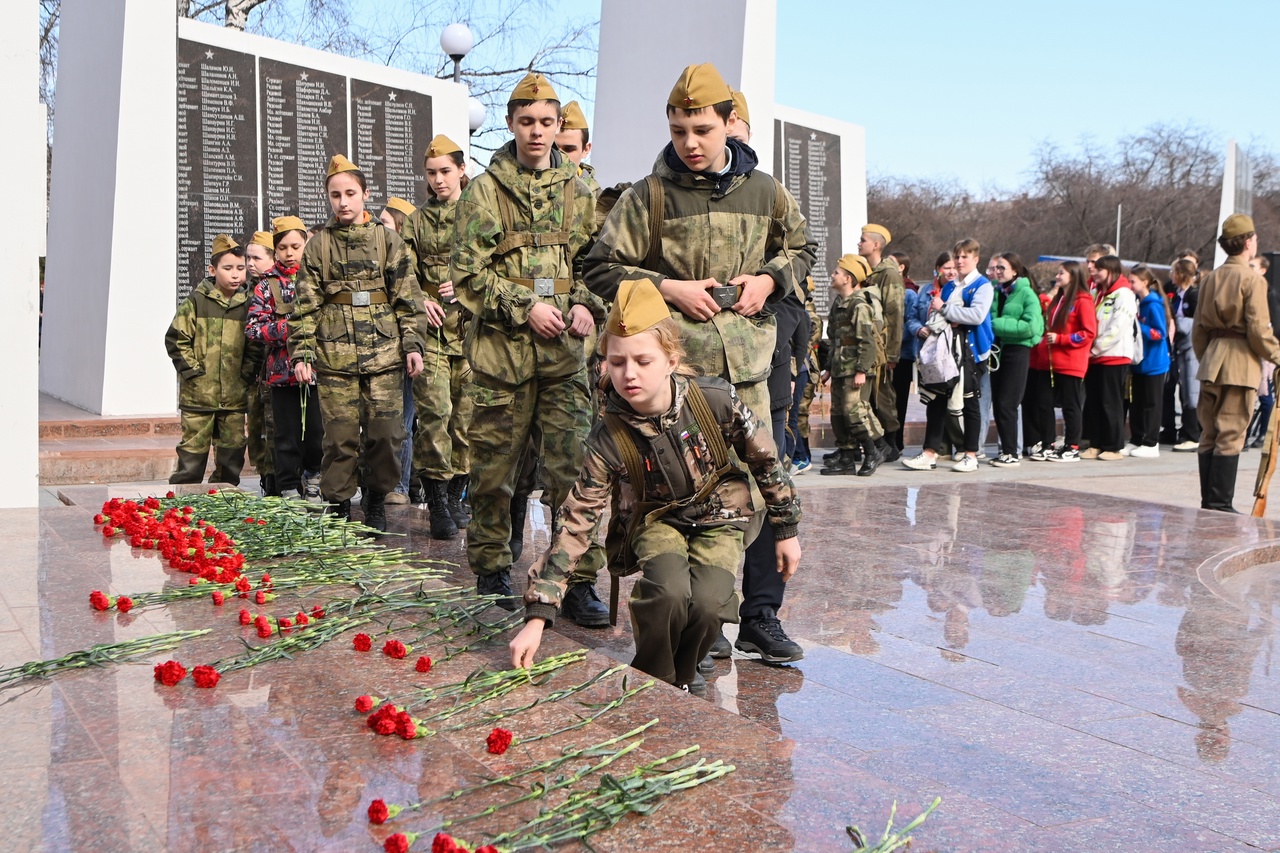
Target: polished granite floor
point(1045, 660)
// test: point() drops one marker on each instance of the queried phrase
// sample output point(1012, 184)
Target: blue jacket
point(971, 310)
point(909, 340)
point(1154, 323)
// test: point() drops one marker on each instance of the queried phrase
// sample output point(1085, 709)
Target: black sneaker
point(697, 686)
point(582, 606)
point(721, 649)
point(763, 635)
point(499, 584)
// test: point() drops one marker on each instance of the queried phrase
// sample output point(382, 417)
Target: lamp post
point(475, 114)
point(456, 41)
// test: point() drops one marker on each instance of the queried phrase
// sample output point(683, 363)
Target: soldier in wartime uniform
point(886, 276)
point(520, 231)
point(682, 505)
point(441, 449)
point(355, 327)
point(856, 329)
point(723, 241)
point(1232, 336)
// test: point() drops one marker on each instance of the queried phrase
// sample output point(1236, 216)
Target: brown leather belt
point(358, 298)
point(545, 286)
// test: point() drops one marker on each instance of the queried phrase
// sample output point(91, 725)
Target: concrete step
point(109, 459)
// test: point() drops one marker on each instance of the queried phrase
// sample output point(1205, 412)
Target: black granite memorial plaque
point(390, 129)
point(811, 172)
point(217, 154)
point(304, 123)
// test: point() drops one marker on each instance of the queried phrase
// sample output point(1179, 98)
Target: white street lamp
point(475, 114)
point(456, 41)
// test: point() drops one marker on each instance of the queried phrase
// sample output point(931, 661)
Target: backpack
point(936, 364)
point(1139, 351)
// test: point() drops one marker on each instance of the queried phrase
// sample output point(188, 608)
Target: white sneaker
point(1187, 447)
point(1128, 449)
point(1063, 454)
point(1145, 452)
point(967, 465)
point(920, 463)
point(958, 455)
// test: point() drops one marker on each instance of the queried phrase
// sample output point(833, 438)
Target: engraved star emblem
point(208, 54)
point(391, 97)
point(303, 75)
point(813, 137)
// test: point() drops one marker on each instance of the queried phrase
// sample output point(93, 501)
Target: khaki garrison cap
point(340, 164)
point(700, 86)
point(856, 266)
point(223, 243)
point(281, 224)
point(1237, 225)
point(573, 117)
point(637, 307)
point(263, 239)
point(401, 205)
point(740, 106)
point(878, 229)
point(534, 87)
point(440, 146)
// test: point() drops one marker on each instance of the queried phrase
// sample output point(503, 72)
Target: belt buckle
point(360, 299)
point(544, 286)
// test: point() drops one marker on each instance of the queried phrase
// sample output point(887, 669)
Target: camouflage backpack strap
point(381, 240)
point(326, 251)
point(657, 202)
point(779, 210)
point(708, 424)
point(618, 537)
point(513, 239)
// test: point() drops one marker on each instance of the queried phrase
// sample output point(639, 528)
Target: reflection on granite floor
point(1045, 661)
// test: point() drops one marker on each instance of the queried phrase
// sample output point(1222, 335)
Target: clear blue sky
point(968, 91)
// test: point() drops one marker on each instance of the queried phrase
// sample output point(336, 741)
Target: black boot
point(582, 606)
point(375, 512)
point(1222, 483)
point(338, 509)
point(499, 584)
point(1206, 476)
point(190, 467)
point(827, 457)
point(888, 452)
point(442, 526)
point(845, 463)
point(763, 635)
point(872, 455)
point(459, 509)
point(267, 484)
point(519, 507)
point(228, 462)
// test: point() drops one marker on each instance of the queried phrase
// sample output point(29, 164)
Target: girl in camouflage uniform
point(683, 526)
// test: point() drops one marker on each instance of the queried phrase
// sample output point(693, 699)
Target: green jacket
point(500, 344)
point(707, 233)
point(893, 293)
point(348, 339)
point(206, 341)
point(1017, 318)
point(855, 326)
point(428, 232)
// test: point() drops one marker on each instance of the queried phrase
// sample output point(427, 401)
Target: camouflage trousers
point(372, 404)
point(261, 429)
point(682, 597)
point(441, 448)
point(884, 398)
point(556, 412)
point(852, 417)
point(806, 400)
point(220, 429)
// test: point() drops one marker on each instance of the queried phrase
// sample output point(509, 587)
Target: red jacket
point(1070, 355)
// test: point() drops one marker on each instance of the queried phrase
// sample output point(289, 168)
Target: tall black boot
point(888, 452)
point(459, 508)
point(872, 455)
point(442, 526)
point(1222, 483)
point(375, 511)
point(1206, 475)
point(844, 463)
point(519, 508)
point(190, 467)
point(228, 461)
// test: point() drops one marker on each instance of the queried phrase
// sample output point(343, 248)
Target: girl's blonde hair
point(668, 335)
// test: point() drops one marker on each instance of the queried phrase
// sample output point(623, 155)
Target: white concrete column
point(24, 237)
point(113, 223)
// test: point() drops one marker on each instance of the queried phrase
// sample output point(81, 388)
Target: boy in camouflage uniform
point(520, 232)
point(730, 239)
point(682, 506)
point(355, 327)
point(215, 365)
point(856, 328)
point(574, 141)
point(441, 449)
point(886, 277)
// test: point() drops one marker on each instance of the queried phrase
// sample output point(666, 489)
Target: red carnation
point(395, 649)
point(205, 676)
point(488, 848)
point(260, 597)
point(99, 600)
point(442, 843)
point(124, 604)
point(498, 741)
point(218, 598)
point(301, 618)
point(399, 843)
point(213, 491)
point(424, 664)
point(405, 726)
point(385, 726)
point(378, 812)
point(99, 518)
point(317, 612)
point(363, 642)
point(108, 531)
point(169, 494)
point(246, 618)
point(364, 704)
point(170, 672)
point(242, 584)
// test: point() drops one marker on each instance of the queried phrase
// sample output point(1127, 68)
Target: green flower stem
point(553, 696)
point(302, 639)
point(101, 654)
point(598, 713)
point(890, 840)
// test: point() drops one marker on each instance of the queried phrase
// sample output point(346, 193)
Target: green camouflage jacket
point(855, 328)
point(709, 234)
point(672, 476)
point(588, 174)
point(893, 292)
point(815, 335)
point(428, 232)
point(500, 343)
point(349, 339)
point(215, 362)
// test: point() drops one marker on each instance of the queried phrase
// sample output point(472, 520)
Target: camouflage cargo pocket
point(749, 343)
point(332, 325)
point(492, 428)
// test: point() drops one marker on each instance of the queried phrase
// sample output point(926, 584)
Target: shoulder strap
point(326, 246)
point(779, 211)
point(708, 424)
point(626, 445)
point(516, 239)
point(277, 296)
point(381, 240)
point(657, 210)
